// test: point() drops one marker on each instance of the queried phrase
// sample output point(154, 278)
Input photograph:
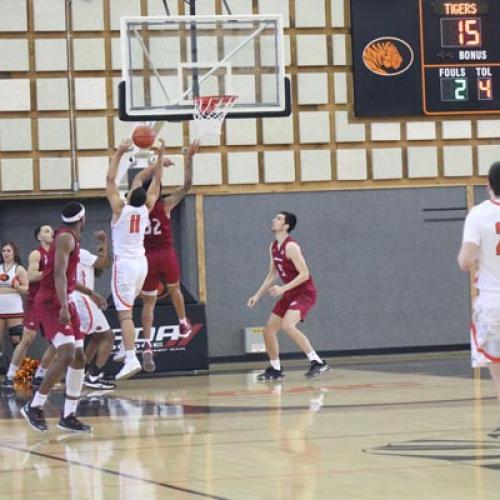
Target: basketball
point(143, 136)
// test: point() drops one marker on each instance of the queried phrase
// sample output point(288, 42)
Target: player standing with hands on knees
point(297, 297)
point(128, 225)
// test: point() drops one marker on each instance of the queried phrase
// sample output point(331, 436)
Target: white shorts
point(92, 318)
point(485, 330)
point(127, 279)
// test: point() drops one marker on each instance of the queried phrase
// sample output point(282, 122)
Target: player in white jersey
point(92, 319)
point(481, 248)
point(130, 267)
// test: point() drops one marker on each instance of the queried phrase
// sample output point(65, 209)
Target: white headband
point(75, 218)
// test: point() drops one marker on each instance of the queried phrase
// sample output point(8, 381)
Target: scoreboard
point(432, 57)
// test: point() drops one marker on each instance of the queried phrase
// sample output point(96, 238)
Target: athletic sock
point(39, 399)
point(12, 371)
point(40, 372)
point(275, 363)
point(147, 345)
point(313, 356)
point(70, 406)
point(74, 382)
point(183, 321)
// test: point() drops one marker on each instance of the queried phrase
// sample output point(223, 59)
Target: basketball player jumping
point(44, 234)
point(480, 247)
point(130, 266)
point(57, 317)
point(163, 265)
point(298, 296)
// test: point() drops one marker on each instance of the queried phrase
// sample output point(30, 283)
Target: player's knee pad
point(15, 333)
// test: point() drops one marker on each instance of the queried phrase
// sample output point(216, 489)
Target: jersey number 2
point(135, 223)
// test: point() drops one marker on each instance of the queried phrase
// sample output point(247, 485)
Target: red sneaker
point(186, 328)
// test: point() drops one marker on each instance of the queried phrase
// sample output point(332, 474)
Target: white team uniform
point(11, 304)
point(482, 227)
point(130, 265)
point(92, 318)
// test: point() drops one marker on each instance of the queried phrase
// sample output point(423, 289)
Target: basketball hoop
point(210, 113)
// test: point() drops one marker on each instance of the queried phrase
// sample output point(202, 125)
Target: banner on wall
point(173, 351)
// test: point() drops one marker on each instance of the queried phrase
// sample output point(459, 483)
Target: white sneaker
point(120, 355)
point(129, 368)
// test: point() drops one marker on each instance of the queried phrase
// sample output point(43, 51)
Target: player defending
point(298, 296)
point(163, 265)
point(37, 259)
point(480, 247)
point(130, 266)
point(57, 317)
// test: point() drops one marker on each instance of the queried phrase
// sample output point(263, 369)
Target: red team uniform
point(300, 298)
point(47, 305)
point(163, 265)
point(30, 322)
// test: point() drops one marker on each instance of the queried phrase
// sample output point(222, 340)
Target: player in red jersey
point(44, 234)
point(56, 315)
point(163, 266)
point(298, 296)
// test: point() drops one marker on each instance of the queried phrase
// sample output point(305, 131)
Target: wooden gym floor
point(407, 427)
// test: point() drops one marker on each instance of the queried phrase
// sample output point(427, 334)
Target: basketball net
point(210, 112)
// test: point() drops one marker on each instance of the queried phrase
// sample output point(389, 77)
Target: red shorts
point(302, 302)
point(163, 266)
point(47, 310)
point(30, 322)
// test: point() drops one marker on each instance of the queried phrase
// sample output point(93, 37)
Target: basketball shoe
point(270, 374)
point(148, 363)
point(129, 368)
point(34, 416)
point(185, 328)
point(98, 382)
point(36, 382)
point(316, 369)
point(73, 424)
point(8, 384)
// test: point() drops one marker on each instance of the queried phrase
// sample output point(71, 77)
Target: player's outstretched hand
point(193, 148)
point(276, 291)
point(252, 301)
point(125, 145)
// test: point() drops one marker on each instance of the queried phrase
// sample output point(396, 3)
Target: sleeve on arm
point(472, 232)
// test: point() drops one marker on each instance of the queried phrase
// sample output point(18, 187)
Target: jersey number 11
point(135, 223)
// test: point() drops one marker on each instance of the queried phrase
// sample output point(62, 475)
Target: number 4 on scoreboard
point(484, 88)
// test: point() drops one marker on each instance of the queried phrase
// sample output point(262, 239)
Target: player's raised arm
point(65, 244)
point(111, 186)
point(266, 284)
point(153, 191)
point(176, 197)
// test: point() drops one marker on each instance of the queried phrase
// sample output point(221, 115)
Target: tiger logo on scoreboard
point(388, 56)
